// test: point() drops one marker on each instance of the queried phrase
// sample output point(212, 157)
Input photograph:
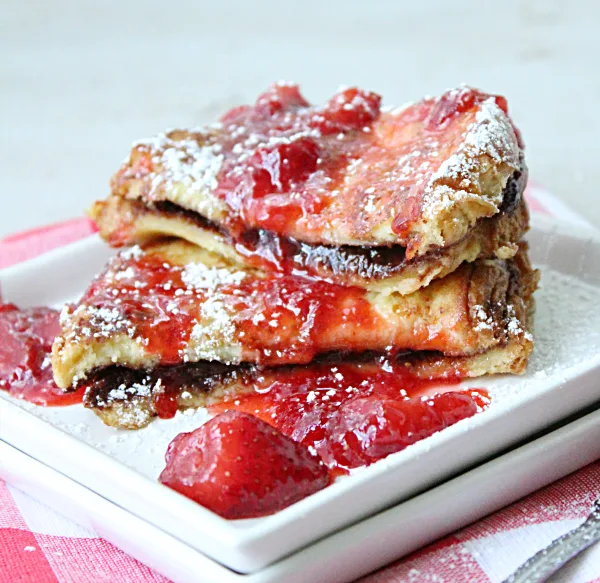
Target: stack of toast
point(291, 236)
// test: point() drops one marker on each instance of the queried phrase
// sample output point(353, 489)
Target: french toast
point(174, 315)
point(384, 199)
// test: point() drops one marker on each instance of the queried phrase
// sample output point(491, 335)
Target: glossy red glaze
point(297, 155)
point(279, 97)
point(151, 296)
point(350, 110)
point(293, 154)
point(165, 403)
point(352, 415)
point(455, 102)
point(329, 175)
point(240, 467)
point(277, 320)
point(26, 338)
point(296, 317)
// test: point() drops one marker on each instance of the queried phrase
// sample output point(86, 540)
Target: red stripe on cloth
point(85, 560)
point(36, 232)
point(534, 204)
point(445, 560)
point(537, 207)
point(10, 516)
point(30, 244)
point(569, 498)
point(22, 560)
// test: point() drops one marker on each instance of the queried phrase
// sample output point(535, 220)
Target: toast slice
point(174, 314)
point(387, 200)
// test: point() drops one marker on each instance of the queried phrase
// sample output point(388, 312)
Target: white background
point(80, 80)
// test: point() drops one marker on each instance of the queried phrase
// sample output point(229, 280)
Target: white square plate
point(346, 554)
point(122, 466)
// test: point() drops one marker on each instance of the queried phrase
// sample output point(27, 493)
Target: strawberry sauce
point(298, 317)
point(288, 319)
point(282, 157)
point(352, 415)
point(26, 338)
point(148, 298)
point(320, 175)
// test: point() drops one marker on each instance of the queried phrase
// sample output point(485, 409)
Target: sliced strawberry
point(279, 97)
point(350, 109)
point(289, 163)
point(457, 101)
point(240, 467)
point(372, 428)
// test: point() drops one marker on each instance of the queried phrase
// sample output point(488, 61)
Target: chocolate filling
point(287, 254)
point(102, 383)
point(118, 383)
point(511, 196)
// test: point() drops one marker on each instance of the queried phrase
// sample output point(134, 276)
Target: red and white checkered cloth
point(37, 545)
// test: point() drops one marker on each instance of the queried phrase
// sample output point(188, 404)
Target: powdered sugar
point(483, 319)
point(200, 277)
point(125, 274)
point(100, 322)
point(491, 135)
point(513, 324)
point(186, 162)
point(127, 300)
point(123, 392)
point(213, 336)
point(566, 335)
point(134, 252)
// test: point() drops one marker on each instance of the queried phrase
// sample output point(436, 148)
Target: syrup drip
point(26, 338)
